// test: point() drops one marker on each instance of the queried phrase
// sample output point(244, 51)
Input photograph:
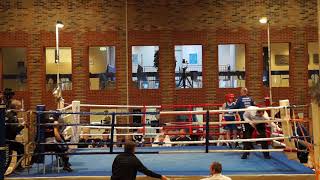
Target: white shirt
point(166, 139)
point(217, 177)
point(251, 115)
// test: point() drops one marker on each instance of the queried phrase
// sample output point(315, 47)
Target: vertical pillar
point(316, 133)
point(76, 120)
point(112, 131)
point(286, 126)
point(207, 131)
point(2, 140)
point(40, 137)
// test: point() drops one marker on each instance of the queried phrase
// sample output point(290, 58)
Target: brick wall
point(31, 24)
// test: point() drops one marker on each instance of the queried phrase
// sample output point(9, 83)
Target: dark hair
point(216, 167)
point(129, 147)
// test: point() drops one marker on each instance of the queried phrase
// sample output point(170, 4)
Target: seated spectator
point(215, 172)
point(301, 142)
point(105, 142)
point(87, 142)
point(161, 140)
point(97, 142)
point(183, 137)
point(53, 137)
point(138, 138)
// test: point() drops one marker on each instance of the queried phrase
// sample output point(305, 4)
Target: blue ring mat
point(181, 164)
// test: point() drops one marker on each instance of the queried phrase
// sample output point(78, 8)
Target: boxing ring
point(186, 165)
point(176, 162)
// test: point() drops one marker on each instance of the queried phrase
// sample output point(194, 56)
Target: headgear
point(229, 97)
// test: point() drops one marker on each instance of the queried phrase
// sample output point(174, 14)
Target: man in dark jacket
point(126, 165)
point(13, 129)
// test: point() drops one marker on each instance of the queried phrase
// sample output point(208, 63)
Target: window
point(188, 68)
point(231, 59)
point(63, 68)
point(279, 65)
point(313, 66)
point(14, 68)
point(102, 67)
point(145, 63)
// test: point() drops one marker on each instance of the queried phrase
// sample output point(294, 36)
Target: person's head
point(259, 113)
point(15, 104)
point(182, 133)
point(105, 135)
point(215, 168)
point(229, 98)
point(243, 91)
point(140, 131)
point(129, 147)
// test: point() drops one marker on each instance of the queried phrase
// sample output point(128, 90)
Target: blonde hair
point(15, 104)
point(244, 91)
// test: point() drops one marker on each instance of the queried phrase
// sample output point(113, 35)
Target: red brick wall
point(30, 24)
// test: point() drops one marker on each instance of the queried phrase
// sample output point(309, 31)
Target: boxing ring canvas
point(195, 165)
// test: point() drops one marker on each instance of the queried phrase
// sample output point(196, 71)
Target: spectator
point(215, 172)
point(12, 130)
point(138, 137)
point(105, 139)
point(126, 165)
point(161, 140)
point(182, 137)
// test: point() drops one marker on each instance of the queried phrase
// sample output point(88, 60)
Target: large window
point(14, 68)
point(313, 66)
point(231, 58)
point(279, 65)
point(102, 67)
point(188, 69)
point(145, 64)
point(63, 68)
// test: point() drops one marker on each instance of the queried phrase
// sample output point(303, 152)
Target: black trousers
point(303, 154)
point(18, 147)
point(247, 134)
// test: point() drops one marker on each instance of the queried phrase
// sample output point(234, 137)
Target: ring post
point(76, 120)
point(207, 131)
point(112, 131)
point(40, 138)
point(286, 126)
point(316, 134)
point(2, 140)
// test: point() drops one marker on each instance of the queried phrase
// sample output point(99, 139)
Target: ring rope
point(118, 106)
point(219, 111)
point(117, 127)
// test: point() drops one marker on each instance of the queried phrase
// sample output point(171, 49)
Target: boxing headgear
point(229, 97)
point(267, 101)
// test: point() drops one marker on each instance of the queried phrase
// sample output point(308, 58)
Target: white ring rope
point(65, 108)
point(227, 122)
point(219, 111)
point(117, 106)
point(277, 134)
point(222, 151)
point(279, 143)
point(197, 142)
point(128, 134)
point(108, 127)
